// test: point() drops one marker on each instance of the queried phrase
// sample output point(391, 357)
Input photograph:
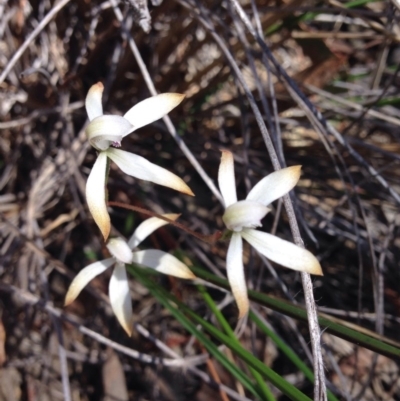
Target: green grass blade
point(164, 298)
point(332, 325)
point(288, 389)
point(290, 354)
point(263, 388)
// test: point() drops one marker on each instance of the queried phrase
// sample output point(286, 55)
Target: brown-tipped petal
point(226, 178)
point(96, 195)
point(235, 272)
point(152, 109)
point(275, 185)
point(120, 298)
point(93, 104)
point(139, 167)
point(162, 262)
point(147, 227)
point(283, 252)
point(84, 276)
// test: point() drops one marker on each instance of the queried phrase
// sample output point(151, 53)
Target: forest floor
point(327, 87)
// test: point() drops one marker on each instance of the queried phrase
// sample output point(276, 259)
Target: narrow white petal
point(84, 276)
point(152, 109)
point(282, 252)
point(226, 178)
point(162, 262)
point(96, 194)
point(107, 130)
point(244, 214)
point(120, 250)
point(120, 297)
point(235, 271)
point(93, 104)
point(275, 185)
point(147, 227)
point(139, 167)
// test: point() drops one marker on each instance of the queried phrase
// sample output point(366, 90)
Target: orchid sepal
point(147, 227)
point(93, 104)
point(96, 194)
point(275, 185)
point(162, 262)
point(283, 252)
point(235, 272)
point(152, 109)
point(84, 277)
point(226, 178)
point(139, 167)
point(120, 298)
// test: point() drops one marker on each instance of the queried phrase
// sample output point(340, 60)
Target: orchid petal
point(275, 185)
point(244, 214)
point(120, 250)
point(84, 276)
point(93, 104)
point(282, 252)
point(235, 272)
point(120, 298)
point(147, 227)
point(96, 194)
point(152, 109)
point(162, 262)
point(107, 130)
point(226, 178)
point(139, 167)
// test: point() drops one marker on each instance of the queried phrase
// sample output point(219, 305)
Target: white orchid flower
point(243, 216)
point(123, 253)
point(105, 131)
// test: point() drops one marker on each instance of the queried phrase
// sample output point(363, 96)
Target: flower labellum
point(124, 253)
point(105, 134)
point(120, 250)
point(243, 216)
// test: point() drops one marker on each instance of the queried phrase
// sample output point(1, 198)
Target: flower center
point(120, 250)
point(244, 214)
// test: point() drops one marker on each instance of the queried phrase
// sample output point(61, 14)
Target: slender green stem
point(177, 308)
point(165, 299)
point(290, 354)
point(264, 389)
point(340, 328)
